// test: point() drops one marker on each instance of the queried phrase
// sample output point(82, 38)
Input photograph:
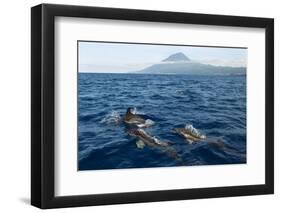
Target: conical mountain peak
point(177, 57)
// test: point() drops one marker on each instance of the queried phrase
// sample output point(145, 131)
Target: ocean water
point(214, 105)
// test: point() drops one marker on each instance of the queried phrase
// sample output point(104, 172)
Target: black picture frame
point(43, 102)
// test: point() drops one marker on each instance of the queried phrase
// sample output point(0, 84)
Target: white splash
point(136, 112)
point(194, 131)
point(112, 118)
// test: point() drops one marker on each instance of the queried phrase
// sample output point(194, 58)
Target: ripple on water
point(215, 106)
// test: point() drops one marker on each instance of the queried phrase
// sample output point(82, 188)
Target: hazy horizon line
point(150, 64)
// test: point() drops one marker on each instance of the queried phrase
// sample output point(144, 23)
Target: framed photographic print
point(139, 106)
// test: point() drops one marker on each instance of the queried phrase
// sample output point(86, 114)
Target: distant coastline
point(157, 74)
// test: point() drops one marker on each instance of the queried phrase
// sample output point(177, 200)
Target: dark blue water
point(215, 105)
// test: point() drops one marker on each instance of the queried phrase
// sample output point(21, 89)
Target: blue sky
point(123, 57)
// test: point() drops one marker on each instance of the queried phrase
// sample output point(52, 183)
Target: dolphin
point(132, 118)
point(145, 139)
point(193, 135)
point(190, 134)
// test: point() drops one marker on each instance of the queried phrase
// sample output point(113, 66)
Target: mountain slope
point(180, 64)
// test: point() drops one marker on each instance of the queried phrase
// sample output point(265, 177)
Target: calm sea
point(215, 105)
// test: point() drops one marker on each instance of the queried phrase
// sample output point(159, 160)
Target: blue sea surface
point(214, 105)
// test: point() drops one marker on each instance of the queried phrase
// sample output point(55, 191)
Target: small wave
point(149, 122)
point(111, 118)
point(180, 92)
point(85, 153)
